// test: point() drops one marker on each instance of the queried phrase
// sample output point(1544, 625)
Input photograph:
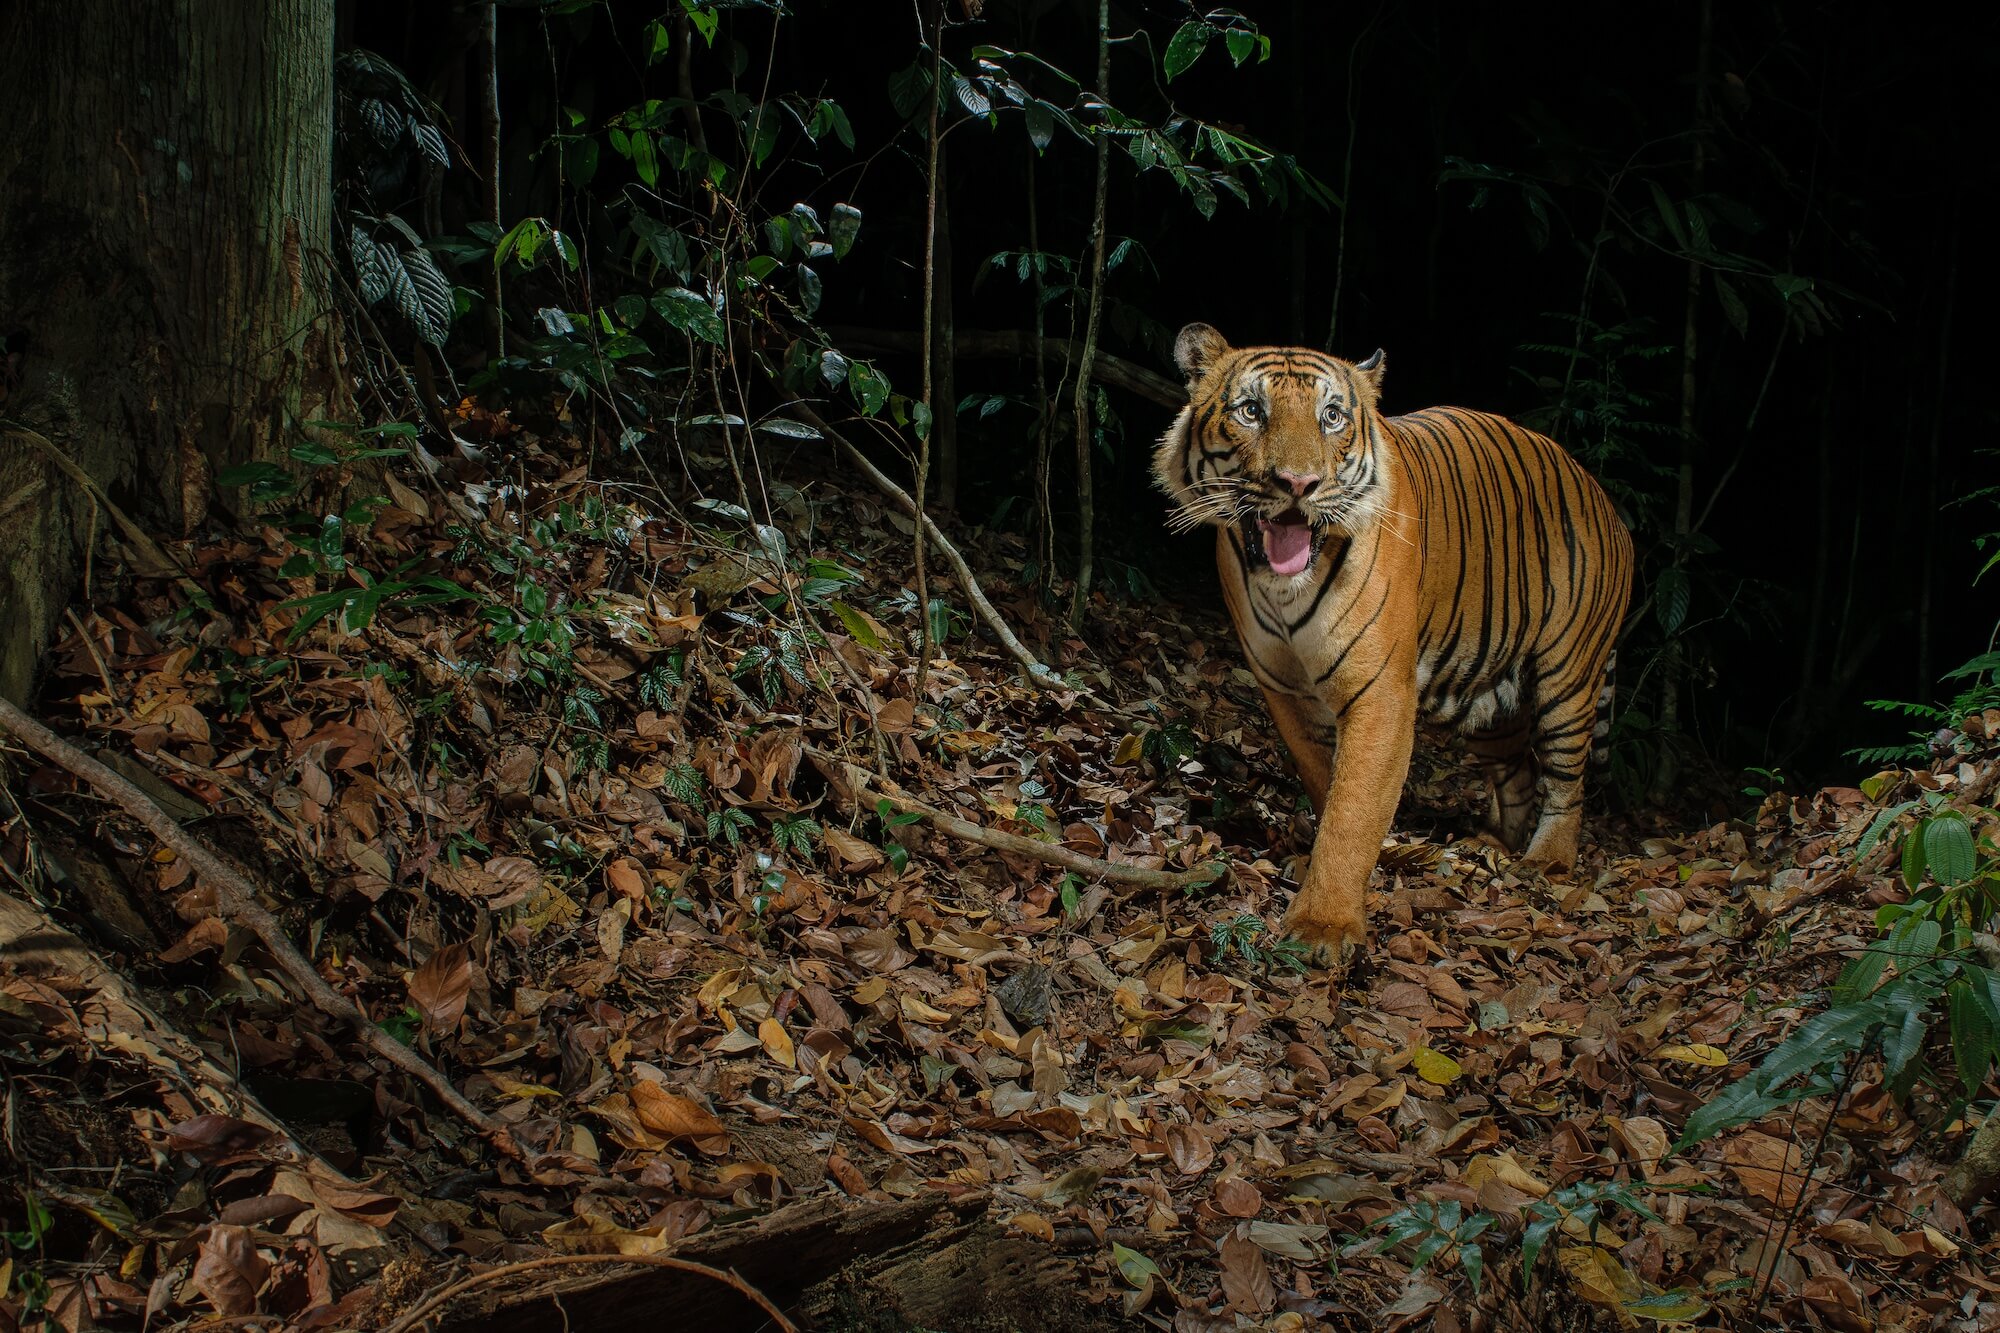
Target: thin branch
point(236, 898)
point(936, 43)
point(1036, 672)
point(1105, 367)
point(492, 1275)
point(864, 797)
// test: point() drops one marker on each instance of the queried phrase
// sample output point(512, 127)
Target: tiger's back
point(1526, 566)
point(1448, 564)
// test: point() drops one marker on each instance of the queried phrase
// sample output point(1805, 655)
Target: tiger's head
point(1282, 443)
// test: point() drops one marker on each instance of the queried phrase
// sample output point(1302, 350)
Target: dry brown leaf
point(671, 1114)
point(229, 1271)
point(439, 987)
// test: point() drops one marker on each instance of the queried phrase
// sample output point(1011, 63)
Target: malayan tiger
point(1447, 563)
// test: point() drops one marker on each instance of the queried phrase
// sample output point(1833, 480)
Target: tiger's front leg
point(1369, 764)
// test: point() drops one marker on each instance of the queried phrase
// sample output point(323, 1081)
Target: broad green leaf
point(1133, 1266)
point(1973, 1036)
point(857, 626)
point(1186, 47)
point(846, 225)
point(1671, 595)
point(1242, 45)
point(1949, 851)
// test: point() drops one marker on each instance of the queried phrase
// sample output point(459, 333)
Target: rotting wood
point(781, 1254)
point(237, 901)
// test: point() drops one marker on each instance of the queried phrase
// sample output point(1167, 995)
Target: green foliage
point(893, 819)
point(797, 834)
point(1585, 1202)
point(1439, 1233)
point(1954, 880)
point(1245, 936)
point(728, 823)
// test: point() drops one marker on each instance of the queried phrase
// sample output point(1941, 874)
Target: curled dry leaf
point(672, 1115)
point(440, 985)
point(229, 1271)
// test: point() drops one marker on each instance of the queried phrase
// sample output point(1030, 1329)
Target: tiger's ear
point(1196, 349)
point(1371, 370)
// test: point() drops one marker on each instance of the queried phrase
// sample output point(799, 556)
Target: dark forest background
point(1530, 208)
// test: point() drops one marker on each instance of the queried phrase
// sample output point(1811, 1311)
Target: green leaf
point(871, 387)
point(1041, 120)
point(1949, 851)
point(1535, 1235)
point(845, 226)
point(1900, 1049)
point(908, 87)
point(1242, 45)
point(809, 291)
point(856, 625)
point(1133, 1266)
point(1913, 859)
point(1973, 1036)
point(691, 314)
point(1671, 1307)
point(1186, 47)
point(1671, 596)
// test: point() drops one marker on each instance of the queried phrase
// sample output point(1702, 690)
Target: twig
point(993, 344)
point(1037, 673)
point(864, 797)
point(492, 1275)
point(236, 897)
point(936, 43)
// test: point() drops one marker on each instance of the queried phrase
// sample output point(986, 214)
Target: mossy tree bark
point(165, 219)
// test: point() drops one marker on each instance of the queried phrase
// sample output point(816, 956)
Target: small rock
point(1026, 995)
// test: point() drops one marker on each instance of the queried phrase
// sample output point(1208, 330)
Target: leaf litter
point(569, 832)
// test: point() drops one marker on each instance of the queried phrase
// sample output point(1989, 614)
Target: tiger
point(1448, 564)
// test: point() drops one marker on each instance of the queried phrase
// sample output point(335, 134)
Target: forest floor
point(572, 815)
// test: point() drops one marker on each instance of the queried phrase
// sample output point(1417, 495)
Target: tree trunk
point(163, 252)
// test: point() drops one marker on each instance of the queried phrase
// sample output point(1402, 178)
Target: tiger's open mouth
point(1287, 543)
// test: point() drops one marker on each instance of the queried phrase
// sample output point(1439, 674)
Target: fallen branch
point(1036, 672)
point(864, 795)
point(1020, 343)
point(236, 897)
point(491, 1275)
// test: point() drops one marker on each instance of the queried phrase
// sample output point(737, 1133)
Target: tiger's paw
point(1335, 947)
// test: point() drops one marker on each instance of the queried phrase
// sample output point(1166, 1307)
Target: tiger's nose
point(1302, 483)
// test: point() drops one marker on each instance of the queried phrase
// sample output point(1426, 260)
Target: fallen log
point(237, 901)
point(780, 1255)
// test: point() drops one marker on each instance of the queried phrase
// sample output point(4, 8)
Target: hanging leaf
point(429, 143)
point(1186, 47)
point(845, 227)
point(434, 292)
point(691, 314)
point(1671, 596)
point(1948, 849)
point(371, 276)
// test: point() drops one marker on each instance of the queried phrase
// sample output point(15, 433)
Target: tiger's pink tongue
point(1288, 546)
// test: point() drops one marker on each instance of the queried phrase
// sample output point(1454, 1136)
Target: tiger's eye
point(1250, 412)
point(1333, 418)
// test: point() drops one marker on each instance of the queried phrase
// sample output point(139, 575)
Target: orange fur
point(1458, 567)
